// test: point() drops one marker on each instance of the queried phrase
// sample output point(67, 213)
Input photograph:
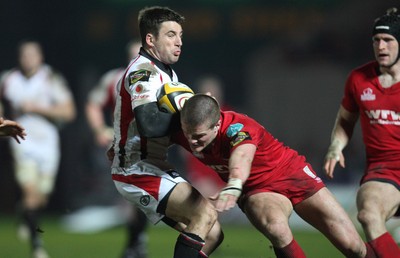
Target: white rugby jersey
point(44, 88)
point(141, 80)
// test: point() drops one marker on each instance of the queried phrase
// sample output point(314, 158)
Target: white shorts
point(38, 157)
point(145, 186)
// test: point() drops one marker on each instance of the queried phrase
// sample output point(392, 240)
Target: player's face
point(167, 45)
point(386, 49)
point(200, 137)
point(30, 58)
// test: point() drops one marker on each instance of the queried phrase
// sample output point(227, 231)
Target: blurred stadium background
point(282, 62)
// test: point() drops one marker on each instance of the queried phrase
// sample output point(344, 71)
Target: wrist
point(233, 187)
point(337, 145)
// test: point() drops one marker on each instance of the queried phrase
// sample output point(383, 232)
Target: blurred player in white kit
point(39, 99)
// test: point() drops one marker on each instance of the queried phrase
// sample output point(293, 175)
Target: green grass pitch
point(241, 241)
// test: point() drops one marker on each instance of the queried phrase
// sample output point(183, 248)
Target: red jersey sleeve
point(349, 101)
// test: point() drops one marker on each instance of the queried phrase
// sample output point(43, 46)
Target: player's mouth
point(382, 57)
point(196, 147)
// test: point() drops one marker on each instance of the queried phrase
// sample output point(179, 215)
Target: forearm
point(153, 123)
point(240, 161)
point(239, 170)
point(61, 112)
point(343, 129)
point(95, 118)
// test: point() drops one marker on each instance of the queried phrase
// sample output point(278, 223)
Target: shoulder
point(141, 69)
point(365, 70)
point(53, 73)
point(362, 74)
point(233, 122)
point(4, 75)
point(7, 75)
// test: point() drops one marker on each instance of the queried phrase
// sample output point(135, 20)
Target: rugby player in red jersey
point(372, 94)
point(267, 179)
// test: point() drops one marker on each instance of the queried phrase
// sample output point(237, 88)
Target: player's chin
point(196, 148)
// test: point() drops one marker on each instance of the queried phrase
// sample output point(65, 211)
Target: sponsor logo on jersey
point(140, 75)
point(239, 137)
point(138, 88)
point(384, 117)
point(368, 95)
point(138, 97)
point(234, 129)
point(145, 200)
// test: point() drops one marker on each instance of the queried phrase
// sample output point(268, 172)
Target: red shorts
point(388, 172)
point(297, 181)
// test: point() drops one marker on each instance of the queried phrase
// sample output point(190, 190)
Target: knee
point(210, 215)
point(279, 233)
point(366, 217)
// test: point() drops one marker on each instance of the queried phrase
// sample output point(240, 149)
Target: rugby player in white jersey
point(100, 100)
point(140, 169)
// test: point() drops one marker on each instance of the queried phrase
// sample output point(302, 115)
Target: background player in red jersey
point(12, 129)
point(100, 100)
point(266, 178)
point(372, 93)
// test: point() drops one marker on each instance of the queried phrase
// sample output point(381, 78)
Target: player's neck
point(389, 75)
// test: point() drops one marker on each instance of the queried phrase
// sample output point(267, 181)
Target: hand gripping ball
point(172, 96)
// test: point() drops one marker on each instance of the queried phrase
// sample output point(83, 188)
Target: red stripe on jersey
point(126, 113)
point(110, 102)
point(150, 184)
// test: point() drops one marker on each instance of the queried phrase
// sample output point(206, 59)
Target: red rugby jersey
point(379, 110)
point(237, 129)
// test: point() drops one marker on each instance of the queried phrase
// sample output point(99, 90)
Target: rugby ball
point(172, 96)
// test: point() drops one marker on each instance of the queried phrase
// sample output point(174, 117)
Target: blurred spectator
point(39, 99)
point(101, 99)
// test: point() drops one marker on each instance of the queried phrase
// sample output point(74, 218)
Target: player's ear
point(218, 125)
point(150, 39)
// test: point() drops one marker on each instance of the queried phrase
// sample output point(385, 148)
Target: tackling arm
point(153, 123)
point(340, 137)
point(239, 170)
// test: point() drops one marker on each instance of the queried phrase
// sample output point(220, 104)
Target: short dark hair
point(200, 109)
point(150, 19)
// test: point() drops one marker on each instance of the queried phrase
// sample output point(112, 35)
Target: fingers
point(16, 138)
point(225, 202)
point(330, 163)
point(329, 167)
